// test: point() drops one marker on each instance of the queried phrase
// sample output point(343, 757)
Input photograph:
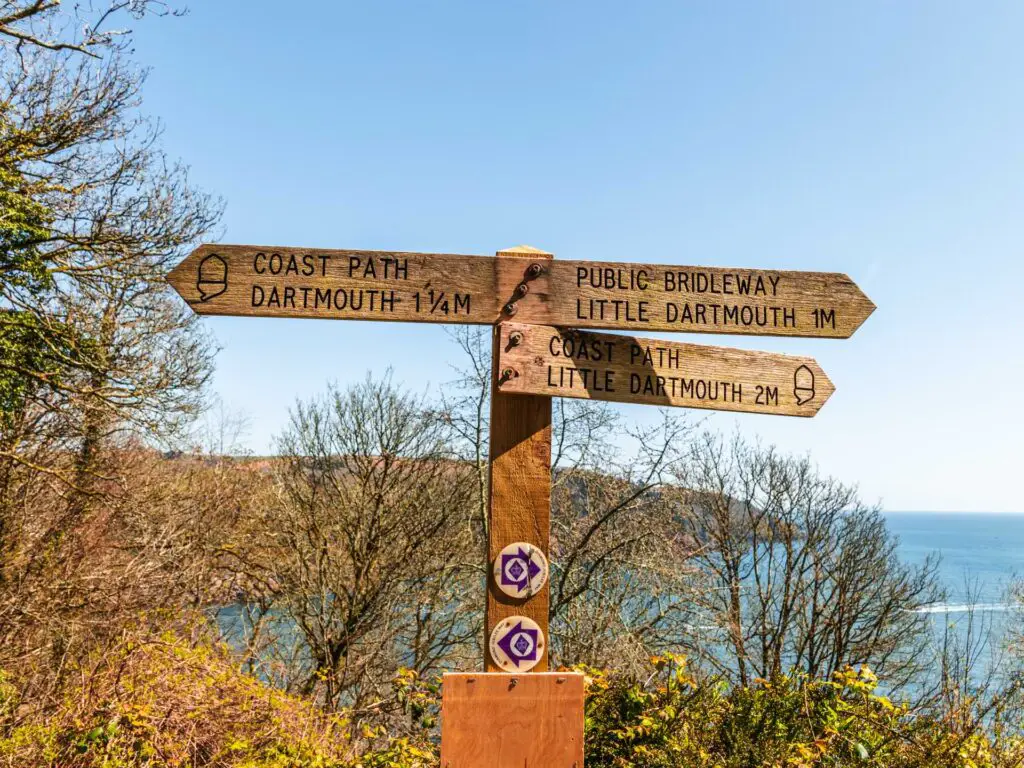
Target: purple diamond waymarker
point(516, 644)
point(520, 644)
point(518, 569)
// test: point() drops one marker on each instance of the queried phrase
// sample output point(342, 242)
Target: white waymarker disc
point(520, 570)
point(517, 644)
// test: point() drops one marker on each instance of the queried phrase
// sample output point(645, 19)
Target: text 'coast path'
point(544, 360)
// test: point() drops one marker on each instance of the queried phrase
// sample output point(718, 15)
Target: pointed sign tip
point(188, 257)
point(174, 276)
point(868, 305)
point(826, 387)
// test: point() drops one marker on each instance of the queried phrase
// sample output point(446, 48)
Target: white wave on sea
point(964, 607)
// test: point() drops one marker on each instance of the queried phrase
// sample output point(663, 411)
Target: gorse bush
point(167, 701)
point(670, 719)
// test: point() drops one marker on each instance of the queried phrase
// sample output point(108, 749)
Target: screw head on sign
point(522, 289)
point(534, 271)
point(517, 644)
point(520, 570)
point(515, 338)
point(507, 374)
point(510, 308)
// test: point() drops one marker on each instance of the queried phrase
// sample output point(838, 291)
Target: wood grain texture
point(354, 285)
point(487, 722)
point(453, 288)
point(543, 360)
point(638, 297)
point(520, 480)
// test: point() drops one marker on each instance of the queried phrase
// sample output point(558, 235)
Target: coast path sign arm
point(543, 360)
point(454, 288)
point(341, 284)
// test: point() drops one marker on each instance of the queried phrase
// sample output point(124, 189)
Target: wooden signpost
point(540, 308)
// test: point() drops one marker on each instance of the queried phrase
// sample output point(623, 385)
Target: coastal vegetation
point(167, 600)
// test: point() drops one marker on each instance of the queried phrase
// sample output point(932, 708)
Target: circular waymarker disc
point(517, 644)
point(520, 570)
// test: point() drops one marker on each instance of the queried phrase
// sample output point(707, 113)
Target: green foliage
point(29, 356)
point(629, 723)
point(24, 275)
point(168, 702)
point(672, 720)
point(419, 698)
point(165, 701)
point(24, 225)
point(9, 697)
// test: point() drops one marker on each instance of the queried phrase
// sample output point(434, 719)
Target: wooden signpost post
point(540, 308)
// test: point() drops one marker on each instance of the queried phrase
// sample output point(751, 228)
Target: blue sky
point(880, 139)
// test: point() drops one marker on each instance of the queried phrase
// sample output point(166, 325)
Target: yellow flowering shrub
point(671, 720)
point(166, 702)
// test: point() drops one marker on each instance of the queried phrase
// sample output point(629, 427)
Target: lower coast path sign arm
point(542, 360)
point(451, 288)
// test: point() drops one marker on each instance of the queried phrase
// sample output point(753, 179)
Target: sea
point(980, 554)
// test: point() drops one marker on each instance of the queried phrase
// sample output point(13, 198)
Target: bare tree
point(94, 344)
point(622, 584)
point(114, 344)
point(156, 548)
point(465, 406)
point(368, 543)
point(98, 360)
point(91, 29)
point(801, 574)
